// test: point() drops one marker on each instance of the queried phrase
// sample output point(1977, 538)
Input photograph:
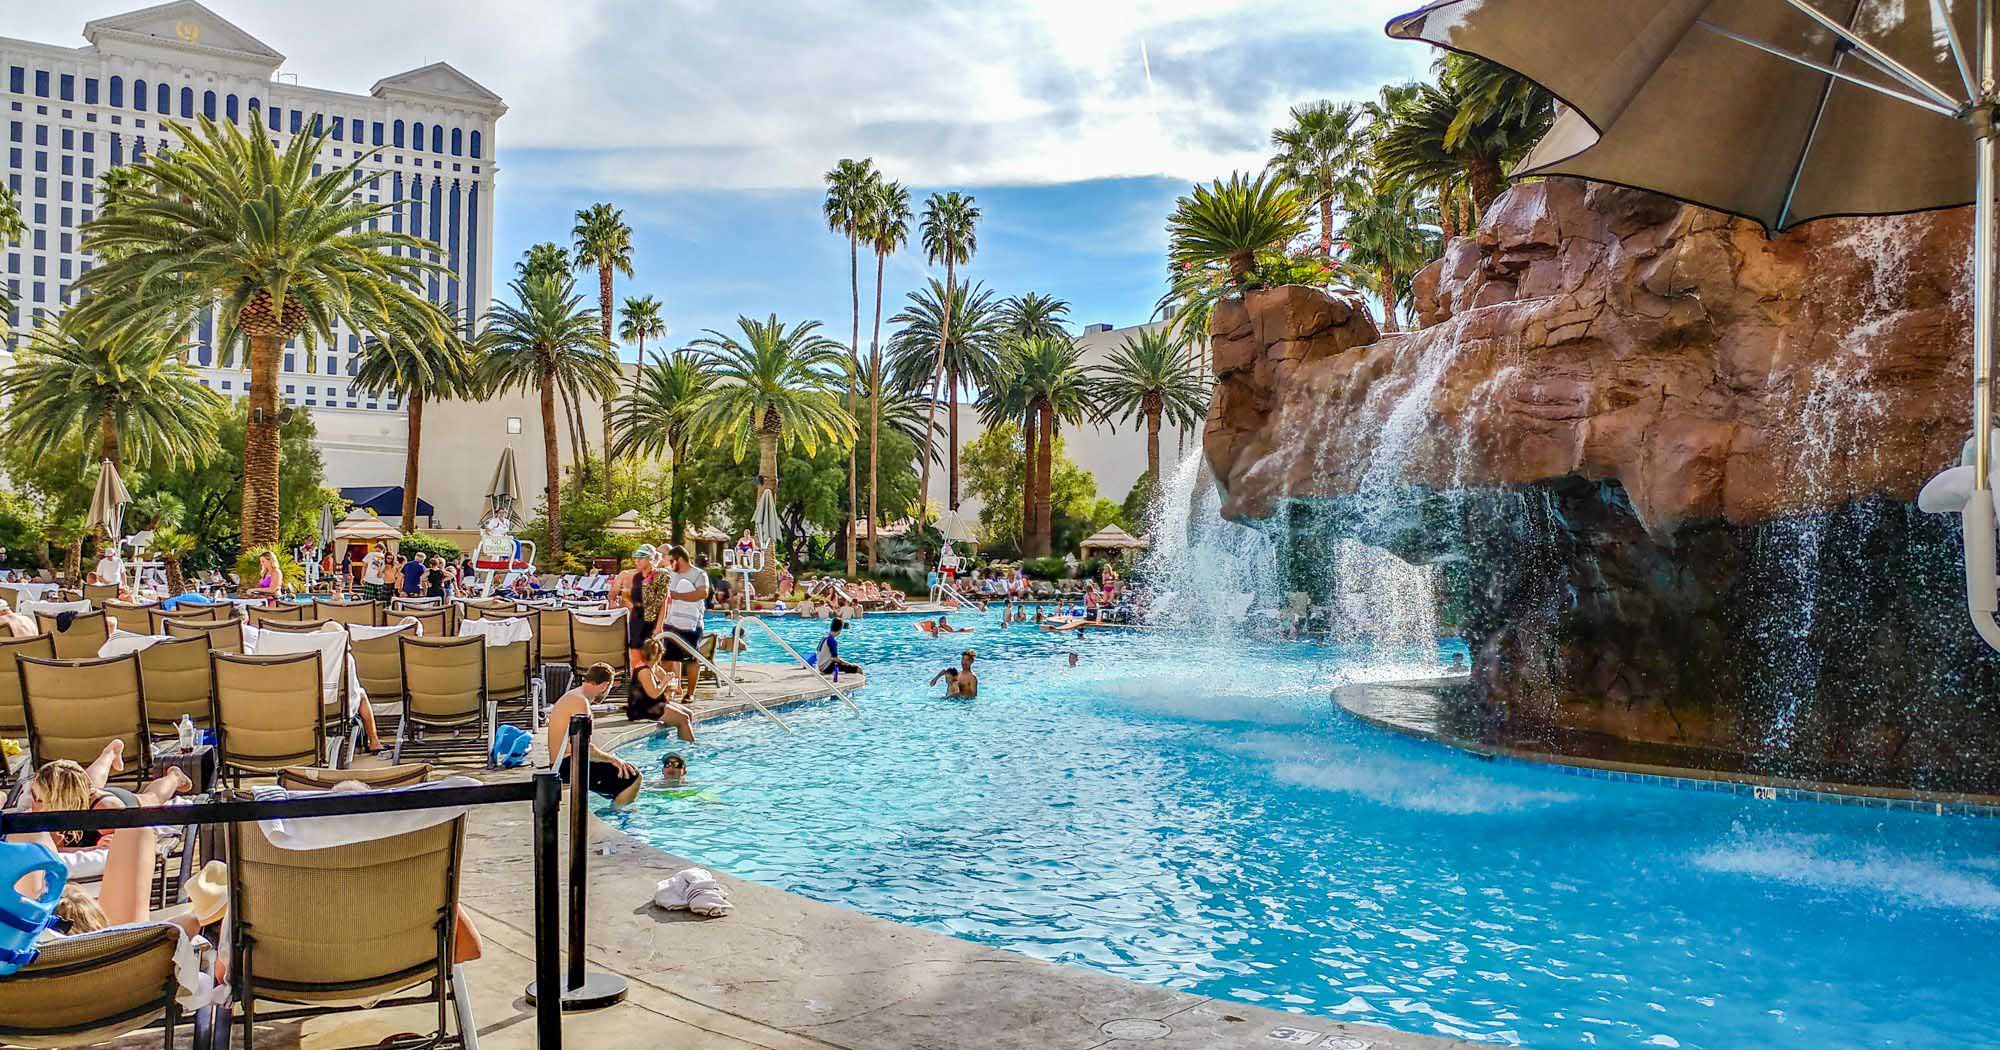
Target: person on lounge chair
point(610, 776)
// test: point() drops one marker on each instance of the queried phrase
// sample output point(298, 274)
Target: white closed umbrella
point(107, 502)
point(765, 520)
point(957, 527)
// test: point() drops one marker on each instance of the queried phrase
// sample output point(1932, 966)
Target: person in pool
point(939, 626)
point(610, 776)
point(950, 678)
point(673, 769)
point(960, 680)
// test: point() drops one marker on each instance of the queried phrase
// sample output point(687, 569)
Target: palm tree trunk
point(767, 475)
point(1045, 471)
point(1030, 473)
point(853, 408)
point(1326, 228)
point(1153, 442)
point(414, 404)
point(1385, 286)
point(107, 437)
point(951, 473)
point(676, 517)
point(260, 443)
point(579, 445)
point(875, 414)
point(937, 376)
point(176, 583)
point(604, 317)
point(553, 462)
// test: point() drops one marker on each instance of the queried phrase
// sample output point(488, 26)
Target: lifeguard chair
point(500, 554)
point(745, 563)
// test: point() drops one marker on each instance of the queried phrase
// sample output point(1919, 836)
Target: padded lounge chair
point(132, 616)
point(367, 614)
point(599, 642)
point(96, 987)
point(257, 616)
point(317, 778)
point(444, 688)
point(223, 636)
point(75, 707)
point(353, 927)
point(294, 627)
point(157, 618)
point(436, 622)
point(86, 635)
point(268, 713)
point(553, 629)
point(177, 680)
point(13, 718)
point(99, 593)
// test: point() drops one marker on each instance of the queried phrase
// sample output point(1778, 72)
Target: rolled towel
point(695, 890)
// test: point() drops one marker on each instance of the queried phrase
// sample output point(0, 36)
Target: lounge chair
point(367, 614)
point(13, 716)
point(598, 641)
point(444, 688)
point(268, 713)
point(294, 627)
point(360, 926)
point(99, 593)
point(96, 987)
point(156, 618)
point(553, 628)
point(132, 616)
point(75, 707)
point(177, 682)
point(86, 635)
point(378, 663)
point(332, 641)
point(258, 616)
point(435, 620)
point(223, 635)
point(317, 778)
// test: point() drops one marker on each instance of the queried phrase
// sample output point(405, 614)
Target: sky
point(1074, 123)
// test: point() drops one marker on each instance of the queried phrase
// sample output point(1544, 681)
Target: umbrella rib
point(1819, 67)
point(1877, 56)
point(1805, 151)
point(1957, 43)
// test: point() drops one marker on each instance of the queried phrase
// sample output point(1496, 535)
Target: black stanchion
point(548, 918)
point(582, 990)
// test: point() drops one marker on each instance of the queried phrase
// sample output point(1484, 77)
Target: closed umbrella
point(1781, 111)
point(107, 502)
point(765, 521)
point(957, 527)
point(504, 492)
point(326, 525)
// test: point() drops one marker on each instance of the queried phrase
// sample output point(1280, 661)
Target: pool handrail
point(727, 681)
point(832, 686)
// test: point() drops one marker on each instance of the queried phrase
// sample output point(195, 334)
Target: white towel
point(330, 642)
point(327, 832)
point(363, 632)
point(695, 890)
point(53, 608)
point(498, 632)
point(122, 642)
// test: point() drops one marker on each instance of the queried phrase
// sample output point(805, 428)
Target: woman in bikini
point(655, 693)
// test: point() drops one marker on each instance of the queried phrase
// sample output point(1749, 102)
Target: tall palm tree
point(11, 228)
point(1032, 314)
point(1009, 399)
point(227, 221)
point(547, 339)
point(127, 387)
point(1467, 127)
point(545, 258)
point(965, 339)
point(777, 383)
point(410, 365)
point(654, 420)
point(1319, 153)
point(601, 241)
point(850, 198)
point(1387, 242)
point(1230, 222)
point(887, 229)
point(641, 320)
point(1057, 391)
point(1152, 375)
point(950, 231)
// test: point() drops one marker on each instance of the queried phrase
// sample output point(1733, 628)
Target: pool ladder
point(833, 687)
point(727, 680)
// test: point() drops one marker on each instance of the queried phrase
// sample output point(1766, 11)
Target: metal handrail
point(725, 679)
point(831, 685)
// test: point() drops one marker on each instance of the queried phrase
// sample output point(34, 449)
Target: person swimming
point(673, 769)
point(954, 683)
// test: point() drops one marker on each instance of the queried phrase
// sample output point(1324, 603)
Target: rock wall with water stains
point(1673, 460)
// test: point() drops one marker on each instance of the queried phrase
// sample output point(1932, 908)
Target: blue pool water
point(1212, 823)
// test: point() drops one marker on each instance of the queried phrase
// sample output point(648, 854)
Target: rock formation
point(1672, 462)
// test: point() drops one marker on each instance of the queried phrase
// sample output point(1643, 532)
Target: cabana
point(1111, 542)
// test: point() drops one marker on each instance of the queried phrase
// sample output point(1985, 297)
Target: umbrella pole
point(1982, 589)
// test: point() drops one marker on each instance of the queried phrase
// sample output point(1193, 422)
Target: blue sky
point(710, 122)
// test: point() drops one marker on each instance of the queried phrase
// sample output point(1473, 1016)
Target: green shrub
point(425, 546)
point(1045, 568)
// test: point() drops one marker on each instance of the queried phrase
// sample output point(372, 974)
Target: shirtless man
point(610, 776)
point(960, 680)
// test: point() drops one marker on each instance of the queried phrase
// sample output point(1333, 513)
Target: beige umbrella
point(1782, 111)
point(107, 502)
point(503, 493)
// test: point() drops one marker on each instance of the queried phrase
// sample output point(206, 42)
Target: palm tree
point(127, 387)
point(1466, 128)
point(777, 383)
point(171, 545)
point(1387, 242)
point(11, 228)
point(1023, 316)
point(227, 221)
point(1056, 390)
point(887, 229)
point(549, 340)
point(966, 339)
point(850, 198)
point(1009, 399)
point(1318, 153)
point(1153, 376)
point(547, 257)
point(411, 366)
point(950, 231)
point(602, 242)
point(1232, 221)
point(640, 321)
point(653, 420)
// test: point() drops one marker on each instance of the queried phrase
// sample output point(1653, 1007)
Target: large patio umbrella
point(503, 493)
point(765, 520)
point(958, 527)
point(1781, 111)
point(107, 502)
point(361, 526)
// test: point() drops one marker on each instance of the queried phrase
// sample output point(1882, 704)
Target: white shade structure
point(1113, 540)
point(359, 525)
point(626, 524)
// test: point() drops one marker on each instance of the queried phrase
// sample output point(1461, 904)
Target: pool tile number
point(1296, 1036)
point(1344, 1042)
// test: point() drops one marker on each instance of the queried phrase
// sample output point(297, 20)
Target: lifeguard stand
point(745, 564)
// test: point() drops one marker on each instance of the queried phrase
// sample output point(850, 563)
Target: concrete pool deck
point(788, 973)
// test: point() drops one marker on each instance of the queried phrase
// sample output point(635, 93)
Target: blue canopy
point(383, 499)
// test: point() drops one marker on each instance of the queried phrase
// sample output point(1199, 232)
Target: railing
point(948, 589)
point(728, 681)
point(831, 685)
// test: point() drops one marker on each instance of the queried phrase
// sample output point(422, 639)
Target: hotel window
point(208, 104)
point(41, 83)
point(41, 134)
point(457, 143)
point(396, 134)
point(475, 146)
point(118, 92)
point(66, 87)
point(339, 130)
point(437, 138)
point(229, 109)
point(14, 131)
point(187, 103)
point(377, 133)
point(163, 100)
point(139, 95)
point(417, 136)
point(17, 80)
point(296, 120)
point(289, 362)
point(90, 91)
point(513, 424)
point(277, 114)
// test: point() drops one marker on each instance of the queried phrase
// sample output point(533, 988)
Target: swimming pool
point(1211, 823)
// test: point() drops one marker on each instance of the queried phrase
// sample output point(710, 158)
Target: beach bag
point(510, 746)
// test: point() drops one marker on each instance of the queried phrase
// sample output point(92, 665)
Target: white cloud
point(655, 94)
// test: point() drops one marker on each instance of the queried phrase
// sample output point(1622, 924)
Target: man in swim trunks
point(637, 591)
point(686, 602)
point(968, 682)
point(610, 776)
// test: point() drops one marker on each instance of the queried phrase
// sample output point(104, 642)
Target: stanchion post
point(581, 989)
point(548, 915)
